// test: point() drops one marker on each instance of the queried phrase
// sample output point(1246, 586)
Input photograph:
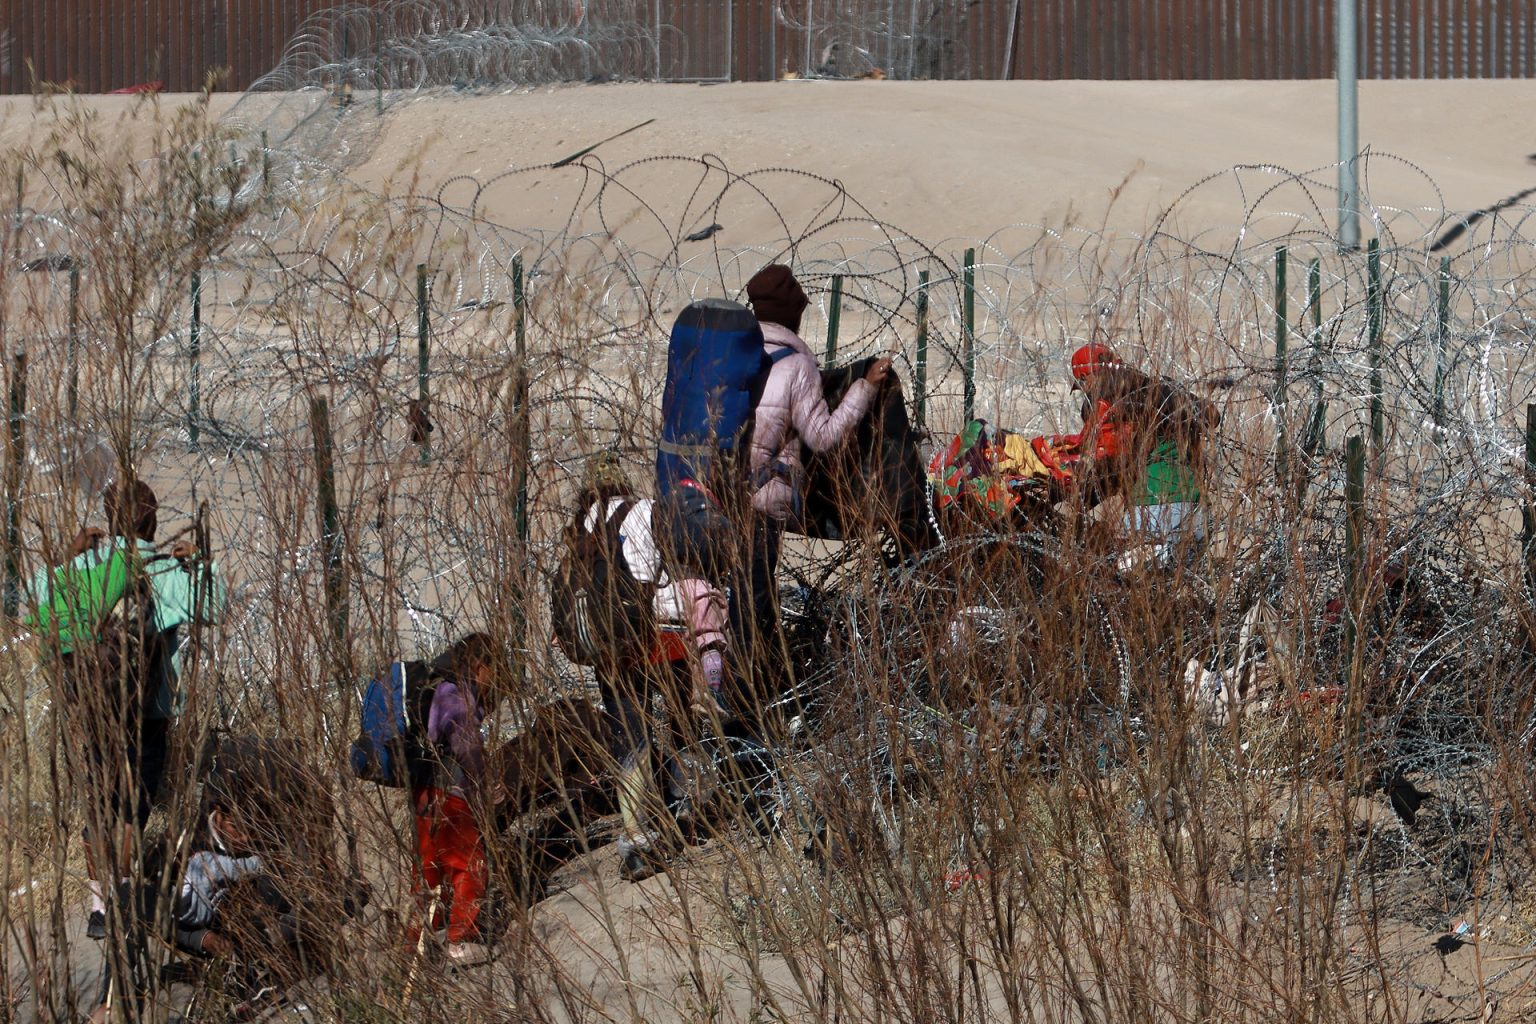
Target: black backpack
point(602, 615)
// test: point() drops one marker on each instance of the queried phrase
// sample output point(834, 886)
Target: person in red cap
point(1142, 441)
point(790, 412)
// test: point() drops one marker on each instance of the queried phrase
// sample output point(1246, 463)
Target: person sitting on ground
point(111, 616)
point(627, 679)
point(1142, 441)
point(261, 889)
point(790, 412)
point(452, 793)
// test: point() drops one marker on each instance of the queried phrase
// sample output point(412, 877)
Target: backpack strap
point(614, 538)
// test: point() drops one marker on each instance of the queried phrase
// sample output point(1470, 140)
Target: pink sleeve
point(705, 610)
point(822, 429)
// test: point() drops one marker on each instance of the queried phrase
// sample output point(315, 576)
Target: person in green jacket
point(1143, 441)
point(112, 619)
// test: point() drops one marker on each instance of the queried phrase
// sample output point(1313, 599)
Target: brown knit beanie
point(777, 297)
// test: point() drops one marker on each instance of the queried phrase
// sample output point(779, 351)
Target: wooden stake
point(331, 539)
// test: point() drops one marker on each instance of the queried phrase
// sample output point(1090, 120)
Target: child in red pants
point(451, 786)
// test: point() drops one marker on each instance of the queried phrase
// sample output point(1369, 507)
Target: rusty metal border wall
point(105, 45)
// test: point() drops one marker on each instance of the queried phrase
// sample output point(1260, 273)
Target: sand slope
point(943, 159)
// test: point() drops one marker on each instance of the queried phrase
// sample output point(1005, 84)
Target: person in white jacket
point(692, 608)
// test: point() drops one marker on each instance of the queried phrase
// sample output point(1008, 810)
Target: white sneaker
point(468, 954)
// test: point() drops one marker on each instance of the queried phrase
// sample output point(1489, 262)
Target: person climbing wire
point(790, 411)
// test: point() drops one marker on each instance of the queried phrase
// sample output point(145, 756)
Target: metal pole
point(656, 40)
point(266, 168)
point(1346, 59)
point(920, 372)
point(14, 464)
point(834, 317)
point(194, 354)
point(378, 63)
point(73, 354)
point(968, 339)
point(422, 343)
point(1312, 443)
point(1374, 318)
point(520, 411)
point(16, 235)
point(1011, 52)
point(1442, 338)
point(730, 41)
point(1354, 542)
point(1282, 329)
point(522, 456)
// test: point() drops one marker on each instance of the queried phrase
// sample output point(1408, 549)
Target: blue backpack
point(393, 741)
point(715, 372)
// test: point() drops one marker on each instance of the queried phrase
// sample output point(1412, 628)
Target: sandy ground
point(959, 159)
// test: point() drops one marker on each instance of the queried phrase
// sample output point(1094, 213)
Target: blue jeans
point(1179, 530)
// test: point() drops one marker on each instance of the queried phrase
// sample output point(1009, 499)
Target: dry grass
point(1000, 826)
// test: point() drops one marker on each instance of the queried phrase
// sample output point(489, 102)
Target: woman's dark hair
point(465, 654)
point(131, 509)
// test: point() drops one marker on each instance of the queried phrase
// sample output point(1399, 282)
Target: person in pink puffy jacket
point(791, 411)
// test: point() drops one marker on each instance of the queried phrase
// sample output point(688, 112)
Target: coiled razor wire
point(310, 299)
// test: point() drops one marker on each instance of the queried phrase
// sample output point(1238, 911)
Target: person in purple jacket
point(453, 788)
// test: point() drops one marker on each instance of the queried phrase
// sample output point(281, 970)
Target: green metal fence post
point(15, 461)
point(194, 355)
point(1317, 423)
point(331, 540)
point(968, 338)
point(1442, 339)
point(519, 414)
point(1374, 317)
point(266, 168)
point(920, 371)
point(72, 353)
point(834, 317)
point(520, 410)
point(1282, 367)
point(423, 328)
point(16, 234)
point(1354, 545)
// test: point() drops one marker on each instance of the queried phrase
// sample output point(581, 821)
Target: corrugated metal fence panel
point(1137, 39)
point(696, 42)
point(102, 45)
point(99, 45)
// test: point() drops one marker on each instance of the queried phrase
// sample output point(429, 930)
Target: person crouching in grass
point(453, 794)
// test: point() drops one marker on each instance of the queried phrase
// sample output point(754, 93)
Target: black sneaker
point(640, 863)
point(96, 925)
